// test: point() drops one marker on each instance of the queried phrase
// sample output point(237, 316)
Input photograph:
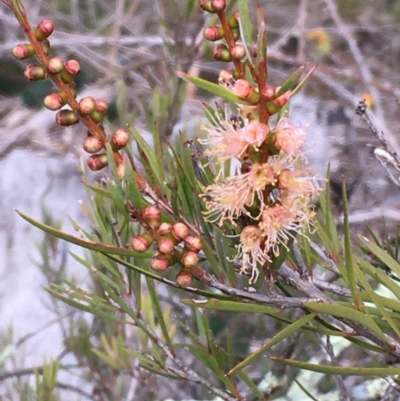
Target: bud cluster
point(88, 110)
point(173, 242)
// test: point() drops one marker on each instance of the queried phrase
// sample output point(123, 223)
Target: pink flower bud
point(214, 33)
point(221, 53)
point(283, 99)
point(189, 259)
point(92, 144)
point(184, 278)
point(35, 72)
point(101, 106)
point(206, 6)
point(165, 228)
point(22, 52)
point(97, 162)
point(166, 245)
point(142, 242)
point(87, 105)
point(218, 5)
point(55, 65)
point(193, 243)
point(72, 67)
point(160, 263)
point(55, 101)
point(44, 30)
point(268, 92)
point(238, 52)
point(152, 216)
point(120, 138)
point(65, 118)
point(180, 231)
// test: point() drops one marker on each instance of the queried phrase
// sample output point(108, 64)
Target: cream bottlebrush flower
point(231, 141)
point(283, 221)
point(251, 251)
point(298, 181)
point(288, 138)
point(228, 199)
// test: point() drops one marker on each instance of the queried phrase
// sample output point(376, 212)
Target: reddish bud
point(120, 138)
point(180, 231)
point(184, 278)
point(92, 144)
point(189, 259)
point(160, 263)
point(65, 118)
point(238, 52)
point(193, 243)
point(46, 46)
point(101, 106)
point(55, 101)
point(218, 5)
point(22, 52)
point(166, 245)
point(97, 162)
point(165, 228)
point(142, 242)
point(87, 105)
point(72, 67)
point(206, 6)
point(213, 33)
point(35, 72)
point(152, 216)
point(283, 99)
point(44, 30)
point(55, 65)
point(268, 92)
point(221, 53)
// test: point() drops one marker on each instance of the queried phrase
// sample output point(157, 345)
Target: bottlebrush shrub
point(228, 232)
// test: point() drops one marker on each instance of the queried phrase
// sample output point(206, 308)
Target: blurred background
point(129, 52)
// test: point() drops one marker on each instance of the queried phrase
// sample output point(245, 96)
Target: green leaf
point(234, 306)
point(287, 331)
point(340, 370)
point(290, 82)
point(94, 246)
point(346, 313)
point(245, 22)
point(215, 89)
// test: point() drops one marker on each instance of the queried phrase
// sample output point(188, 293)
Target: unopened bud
point(236, 34)
point(152, 216)
point(46, 47)
point(101, 106)
point(92, 144)
point(120, 138)
point(73, 67)
point(55, 65)
point(283, 99)
point(234, 20)
point(189, 259)
point(165, 228)
point(180, 231)
point(97, 162)
point(184, 278)
point(55, 101)
point(44, 30)
point(142, 242)
point(160, 263)
point(221, 53)
point(35, 72)
point(218, 5)
point(206, 6)
point(65, 118)
point(214, 33)
point(245, 90)
point(87, 105)
point(166, 245)
point(268, 92)
point(238, 52)
point(23, 51)
point(193, 243)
